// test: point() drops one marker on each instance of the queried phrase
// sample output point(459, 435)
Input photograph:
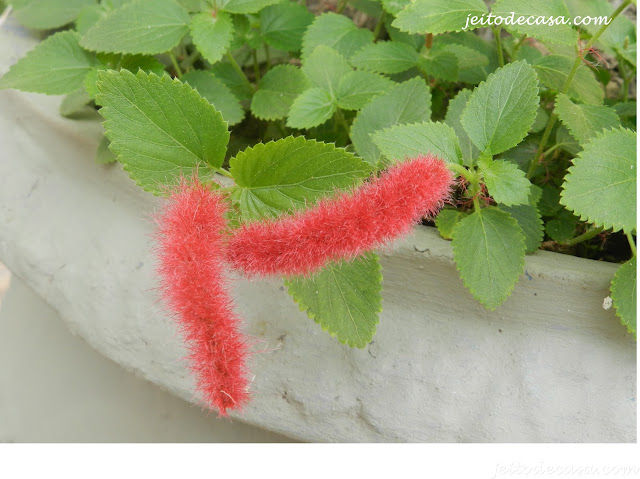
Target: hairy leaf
point(505, 181)
point(357, 88)
point(311, 108)
point(325, 67)
point(584, 121)
point(277, 91)
point(212, 34)
point(216, 93)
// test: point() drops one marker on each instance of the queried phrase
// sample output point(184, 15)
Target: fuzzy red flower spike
point(344, 226)
point(191, 249)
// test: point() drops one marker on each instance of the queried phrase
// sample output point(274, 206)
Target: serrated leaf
point(447, 220)
point(212, 34)
point(283, 25)
point(292, 173)
point(394, 6)
point(489, 248)
point(566, 141)
point(344, 298)
point(556, 33)
point(407, 102)
point(505, 181)
point(311, 108)
point(142, 26)
point(542, 118)
point(245, 6)
point(553, 71)
point(436, 16)
point(482, 49)
point(386, 57)
point(216, 93)
point(584, 121)
point(335, 31)
point(325, 67)
point(56, 66)
point(501, 110)
point(452, 118)
point(277, 91)
point(357, 88)
point(233, 79)
point(624, 295)
point(104, 155)
point(409, 141)
point(74, 103)
point(89, 16)
point(530, 221)
point(563, 227)
point(48, 14)
point(160, 128)
point(600, 187)
point(441, 64)
point(617, 31)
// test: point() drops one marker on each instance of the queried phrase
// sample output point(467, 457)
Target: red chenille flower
point(344, 226)
point(191, 249)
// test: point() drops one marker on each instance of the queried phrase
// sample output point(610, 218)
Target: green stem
point(176, 66)
point(237, 68)
point(342, 121)
point(496, 33)
point(378, 29)
point(625, 79)
point(223, 172)
point(256, 66)
point(567, 84)
point(341, 6)
point(516, 47)
point(191, 59)
point(584, 236)
point(632, 243)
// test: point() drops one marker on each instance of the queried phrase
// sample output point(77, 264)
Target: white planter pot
point(550, 364)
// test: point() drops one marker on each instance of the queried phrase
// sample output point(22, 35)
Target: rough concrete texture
point(548, 365)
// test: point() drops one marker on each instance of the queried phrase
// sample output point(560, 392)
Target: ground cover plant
point(296, 104)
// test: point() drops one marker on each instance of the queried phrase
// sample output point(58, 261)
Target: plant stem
point(625, 79)
point(516, 47)
point(378, 29)
point(632, 243)
point(190, 60)
point(496, 33)
point(256, 66)
point(237, 68)
point(428, 40)
point(341, 6)
point(342, 121)
point(223, 172)
point(567, 84)
point(176, 66)
point(584, 236)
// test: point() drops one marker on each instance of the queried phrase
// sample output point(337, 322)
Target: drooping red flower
point(191, 250)
point(344, 226)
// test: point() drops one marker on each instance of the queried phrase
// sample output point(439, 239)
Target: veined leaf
point(505, 181)
point(344, 298)
point(584, 121)
point(624, 295)
point(335, 31)
point(452, 118)
point(436, 16)
point(277, 91)
point(406, 102)
point(617, 31)
point(529, 219)
point(386, 57)
point(48, 14)
point(284, 24)
point(56, 66)
point(311, 108)
point(409, 141)
point(245, 6)
point(357, 88)
point(216, 93)
point(556, 33)
point(501, 110)
point(142, 26)
point(160, 128)
point(325, 67)
point(489, 248)
point(553, 71)
point(212, 34)
point(394, 6)
point(601, 185)
point(290, 174)
point(447, 220)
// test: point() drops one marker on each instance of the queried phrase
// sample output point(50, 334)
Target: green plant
point(543, 143)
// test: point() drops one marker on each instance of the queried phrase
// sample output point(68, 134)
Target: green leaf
point(441, 64)
point(142, 26)
point(386, 57)
point(160, 128)
point(601, 185)
point(488, 248)
point(233, 79)
point(529, 220)
point(584, 121)
point(277, 91)
point(335, 31)
point(216, 93)
point(357, 88)
point(501, 110)
point(343, 298)
point(505, 181)
point(447, 220)
point(409, 141)
point(48, 14)
point(486, 57)
point(89, 16)
point(563, 227)
point(623, 293)
point(75, 103)
point(290, 174)
point(542, 118)
point(56, 66)
point(394, 6)
point(452, 118)
point(553, 71)
point(407, 102)
point(212, 34)
point(325, 67)
point(566, 141)
point(283, 25)
point(104, 155)
point(617, 31)
point(311, 108)
point(436, 16)
point(245, 6)
point(556, 33)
